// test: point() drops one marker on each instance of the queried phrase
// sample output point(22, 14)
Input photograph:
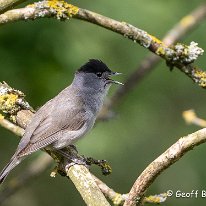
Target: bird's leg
point(71, 153)
point(72, 147)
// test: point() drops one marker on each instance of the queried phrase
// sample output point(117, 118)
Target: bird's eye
point(99, 74)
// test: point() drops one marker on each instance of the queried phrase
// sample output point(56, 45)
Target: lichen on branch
point(51, 8)
point(11, 101)
point(180, 53)
point(59, 9)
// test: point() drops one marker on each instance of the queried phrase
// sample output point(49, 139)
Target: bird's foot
point(71, 157)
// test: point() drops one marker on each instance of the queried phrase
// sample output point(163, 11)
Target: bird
point(67, 117)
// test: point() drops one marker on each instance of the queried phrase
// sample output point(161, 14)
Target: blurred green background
point(40, 57)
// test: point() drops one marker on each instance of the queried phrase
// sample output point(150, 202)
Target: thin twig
point(181, 56)
point(116, 198)
point(169, 157)
point(11, 127)
point(191, 118)
point(119, 199)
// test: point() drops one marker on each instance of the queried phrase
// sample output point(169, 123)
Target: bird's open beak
point(114, 81)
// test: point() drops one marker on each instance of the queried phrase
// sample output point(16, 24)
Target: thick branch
point(169, 157)
point(85, 184)
point(180, 56)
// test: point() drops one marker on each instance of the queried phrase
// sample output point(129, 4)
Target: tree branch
point(169, 157)
point(179, 55)
point(183, 27)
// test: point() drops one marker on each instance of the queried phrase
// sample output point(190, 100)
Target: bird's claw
point(103, 164)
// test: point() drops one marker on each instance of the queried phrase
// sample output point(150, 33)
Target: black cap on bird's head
point(99, 68)
point(94, 66)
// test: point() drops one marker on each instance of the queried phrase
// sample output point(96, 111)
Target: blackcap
point(67, 117)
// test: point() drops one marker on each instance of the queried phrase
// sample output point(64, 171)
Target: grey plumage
point(68, 116)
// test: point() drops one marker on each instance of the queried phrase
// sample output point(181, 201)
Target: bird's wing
point(46, 128)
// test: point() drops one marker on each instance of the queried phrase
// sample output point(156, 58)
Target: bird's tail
point(12, 163)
